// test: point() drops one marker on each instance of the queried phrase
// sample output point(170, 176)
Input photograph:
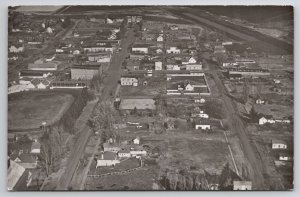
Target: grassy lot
point(205, 152)
point(141, 179)
point(28, 110)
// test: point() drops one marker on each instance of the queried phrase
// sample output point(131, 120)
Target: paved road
point(237, 126)
point(110, 84)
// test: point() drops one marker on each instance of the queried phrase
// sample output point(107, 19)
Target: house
point(129, 80)
point(172, 67)
point(40, 83)
point(111, 147)
point(260, 101)
point(264, 120)
point(107, 159)
point(173, 50)
point(16, 49)
point(201, 114)
point(18, 178)
point(43, 66)
point(124, 154)
point(279, 144)
point(35, 147)
point(159, 51)
point(137, 151)
point(99, 57)
point(202, 124)
point(199, 100)
point(137, 140)
point(140, 48)
point(68, 84)
point(174, 27)
point(158, 65)
point(244, 61)
point(85, 72)
point(160, 38)
point(27, 160)
point(191, 60)
point(285, 157)
point(242, 185)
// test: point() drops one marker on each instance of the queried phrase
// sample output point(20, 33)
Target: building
point(27, 160)
point(279, 144)
point(202, 124)
point(194, 66)
point(99, 57)
point(16, 48)
point(199, 100)
point(111, 147)
point(249, 72)
point(260, 101)
point(85, 72)
point(191, 60)
point(173, 50)
point(129, 80)
point(137, 140)
point(172, 67)
point(18, 178)
point(285, 157)
point(158, 65)
point(107, 159)
point(264, 120)
point(244, 61)
point(68, 84)
point(160, 38)
point(35, 147)
point(242, 185)
point(43, 66)
point(200, 115)
point(124, 154)
point(140, 48)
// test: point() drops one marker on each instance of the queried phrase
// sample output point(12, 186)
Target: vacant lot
point(205, 152)
point(28, 110)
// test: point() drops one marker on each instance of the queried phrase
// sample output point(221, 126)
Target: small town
point(150, 98)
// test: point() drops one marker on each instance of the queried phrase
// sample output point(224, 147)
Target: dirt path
point(236, 125)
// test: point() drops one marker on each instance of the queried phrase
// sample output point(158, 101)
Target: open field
point(27, 110)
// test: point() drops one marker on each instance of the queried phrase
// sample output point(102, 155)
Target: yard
point(27, 110)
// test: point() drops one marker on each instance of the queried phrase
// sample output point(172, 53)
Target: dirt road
point(237, 126)
point(110, 84)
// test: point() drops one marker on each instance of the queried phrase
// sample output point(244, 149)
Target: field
point(28, 110)
point(200, 152)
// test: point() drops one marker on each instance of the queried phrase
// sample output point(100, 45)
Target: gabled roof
point(14, 174)
point(109, 155)
point(275, 141)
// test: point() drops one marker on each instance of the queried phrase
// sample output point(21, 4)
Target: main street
point(110, 84)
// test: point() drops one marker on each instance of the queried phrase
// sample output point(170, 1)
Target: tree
point(253, 115)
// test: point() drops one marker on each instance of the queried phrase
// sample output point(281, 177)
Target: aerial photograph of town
point(150, 98)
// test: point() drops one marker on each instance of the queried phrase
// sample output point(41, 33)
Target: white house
point(242, 185)
point(189, 87)
point(279, 144)
point(199, 100)
point(160, 38)
point(35, 147)
point(172, 67)
point(129, 81)
point(110, 147)
point(59, 50)
point(140, 49)
point(285, 157)
point(264, 120)
point(137, 140)
point(159, 51)
point(107, 159)
point(202, 124)
point(158, 65)
point(260, 101)
point(16, 49)
point(138, 152)
point(191, 60)
point(200, 115)
point(124, 154)
point(173, 50)
point(49, 30)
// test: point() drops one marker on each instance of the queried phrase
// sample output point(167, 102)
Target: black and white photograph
point(150, 98)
